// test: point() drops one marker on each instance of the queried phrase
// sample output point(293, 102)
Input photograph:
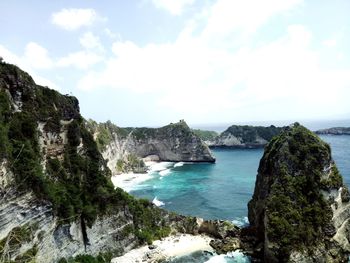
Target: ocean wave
point(234, 257)
point(157, 202)
point(239, 221)
point(179, 164)
point(157, 167)
point(164, 172)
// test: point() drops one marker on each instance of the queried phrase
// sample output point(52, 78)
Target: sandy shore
point(169, 247)
point(129, 181)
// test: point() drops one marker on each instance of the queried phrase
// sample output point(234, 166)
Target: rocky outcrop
point(175, 142)
point(300, 208)
point(244, 137)
point(335, 131)
point(29, 230)
point(56, 197)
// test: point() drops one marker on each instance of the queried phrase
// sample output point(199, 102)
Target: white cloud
point(196, 79)
point(73, 19)
point(110, 34)
point(37, 56)
point(26, 63)
point(80, 60)
point(230, 16)
point(175, 7)
point(330, 42)
point(90, 41)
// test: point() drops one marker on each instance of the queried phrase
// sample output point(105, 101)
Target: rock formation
point(300, 208)
point(244, 137)
point(57, 200)
point(175, 142)
point(335, 131)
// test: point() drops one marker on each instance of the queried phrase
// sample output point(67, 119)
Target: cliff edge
point(300, 207)
point(123, 148)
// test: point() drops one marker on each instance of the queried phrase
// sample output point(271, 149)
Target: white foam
point(157, 167)
point(238, 221)
point(165, 172)
point(237, 256)
point(157, 202)
point(179, 164)
point(129, 182)
point(217, 259)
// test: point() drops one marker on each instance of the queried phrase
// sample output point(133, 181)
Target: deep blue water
point(340, 146)
point(221, 190)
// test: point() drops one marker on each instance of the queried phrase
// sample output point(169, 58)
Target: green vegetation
point(105, 132)
point(250, 133)
point(101, 258)
point(14, 240)
point(205, 135)
point(297, 212)
point(78, 185)
point(131, 163)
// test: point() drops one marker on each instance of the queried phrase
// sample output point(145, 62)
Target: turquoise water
point(221, 190)
point(211, 191)
point(340, 146)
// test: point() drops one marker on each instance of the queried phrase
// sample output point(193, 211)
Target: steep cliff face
point(57, 200)
point(300, 208)
point(244, 136)
point(174, 142)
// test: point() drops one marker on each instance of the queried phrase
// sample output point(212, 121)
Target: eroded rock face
point(29, 227)
point(174, 142)
point(56, 197)
point(299, 211)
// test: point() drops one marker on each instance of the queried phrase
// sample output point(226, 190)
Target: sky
point(152, 62)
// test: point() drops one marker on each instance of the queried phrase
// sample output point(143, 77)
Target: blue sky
point(152, 62)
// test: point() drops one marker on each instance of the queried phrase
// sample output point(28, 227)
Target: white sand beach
point(169, 247)
point(129, 181)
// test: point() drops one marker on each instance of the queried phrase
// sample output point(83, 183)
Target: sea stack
point(300, 207)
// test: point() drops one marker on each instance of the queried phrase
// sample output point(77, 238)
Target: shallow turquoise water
point(211, 191)
point(221, 190)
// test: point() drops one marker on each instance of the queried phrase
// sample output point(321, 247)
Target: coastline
point(129, 181)
point(167, 248)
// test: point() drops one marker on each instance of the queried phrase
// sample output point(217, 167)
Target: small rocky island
point(237, 136)
point(335, 131)
point(300, 208)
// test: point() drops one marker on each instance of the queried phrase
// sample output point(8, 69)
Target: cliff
point(57, 200)
point(244, 136)
point(335, 131)
point(300, 208)
point(123, 148)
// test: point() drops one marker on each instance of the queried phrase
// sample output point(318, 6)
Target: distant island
point(240, 136)
point(335, 131)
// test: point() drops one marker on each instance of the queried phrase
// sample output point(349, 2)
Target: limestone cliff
point(57, 200)
point(300, 208)
point(244, 136)
point(175, 142)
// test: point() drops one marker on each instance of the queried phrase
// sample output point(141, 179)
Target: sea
point(222, 190)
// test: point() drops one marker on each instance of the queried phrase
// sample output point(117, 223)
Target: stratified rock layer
point(300, 208)
point(175, 142)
